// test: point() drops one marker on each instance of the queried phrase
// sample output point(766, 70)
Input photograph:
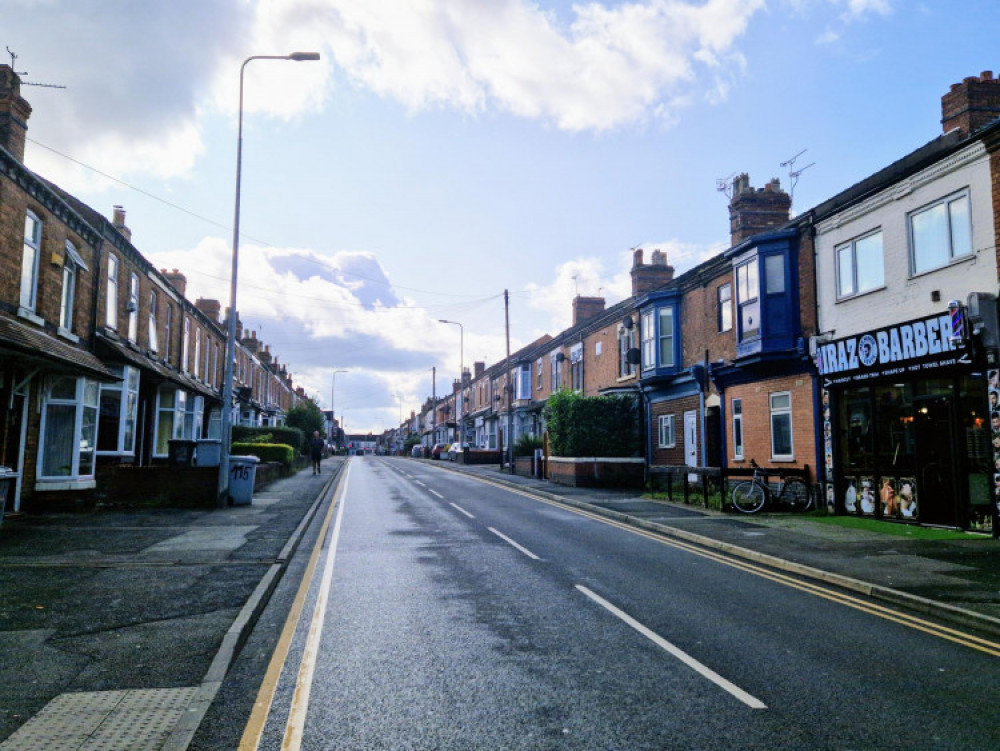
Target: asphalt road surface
point(441, 612)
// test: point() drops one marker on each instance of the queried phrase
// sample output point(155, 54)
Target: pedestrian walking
point(316, 446)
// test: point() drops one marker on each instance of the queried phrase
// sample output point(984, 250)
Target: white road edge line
point(295, 725)
point(509, 541)
point(435, 493)
point(681, 655)
point(462, 510)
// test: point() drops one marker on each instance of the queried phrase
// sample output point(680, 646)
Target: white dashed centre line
point(510, 542)
point(681, 655)
point(461, 510)
point(435, 493)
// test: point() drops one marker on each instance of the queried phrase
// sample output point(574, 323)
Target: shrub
point(266, 452)
point(289, 436)
point(592, 425)
point(526, 445)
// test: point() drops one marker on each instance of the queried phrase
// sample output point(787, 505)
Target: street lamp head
point(300, 56)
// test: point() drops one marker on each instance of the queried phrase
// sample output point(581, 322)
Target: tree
point(307, 417)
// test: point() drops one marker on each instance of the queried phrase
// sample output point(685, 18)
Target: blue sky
point(443, 151)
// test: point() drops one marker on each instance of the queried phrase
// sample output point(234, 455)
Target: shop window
point(30, 261)
point(725, 314)
point(940, 233)
point(119, 404)
point(68, 430)
point(737, 428)
point(666, 432)
point(781, 425)
point(859, 265)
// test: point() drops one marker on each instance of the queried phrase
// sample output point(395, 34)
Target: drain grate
point(132, 720)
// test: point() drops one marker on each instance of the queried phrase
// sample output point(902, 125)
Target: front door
point(938, 494)
point(691, 441)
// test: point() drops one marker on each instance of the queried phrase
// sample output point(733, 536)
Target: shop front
point(907, 426)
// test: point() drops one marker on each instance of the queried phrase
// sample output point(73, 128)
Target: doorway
point(933, 421)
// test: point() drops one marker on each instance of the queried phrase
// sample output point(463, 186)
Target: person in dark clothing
point(316, 446)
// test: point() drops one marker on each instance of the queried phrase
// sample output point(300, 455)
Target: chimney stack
point(647, 277)
point(752, 212)
point(118, 222)
point(478, 368)
point(586, 307)
point(176, 279)
point(972, 104)
point(14, 113)
point(211, 308)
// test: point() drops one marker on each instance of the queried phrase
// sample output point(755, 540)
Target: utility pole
point(510, 385)
point(434, 405)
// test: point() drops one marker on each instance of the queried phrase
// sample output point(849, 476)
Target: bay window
point(666, 338)
point(119, 406)
point(748, 299)
point(648, 326)
point(68, 432)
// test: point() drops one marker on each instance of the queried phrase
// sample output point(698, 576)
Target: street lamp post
point(460, 413)
point(333, 397)
point(227, 380)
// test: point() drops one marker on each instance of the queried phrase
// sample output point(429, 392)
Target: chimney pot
point(972, 104)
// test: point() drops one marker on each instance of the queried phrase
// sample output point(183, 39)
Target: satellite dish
point(627, 322)
point(560, 357)
point(633, 356)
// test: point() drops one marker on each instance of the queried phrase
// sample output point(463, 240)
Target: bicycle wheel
point(797, 494)
point(748, 496)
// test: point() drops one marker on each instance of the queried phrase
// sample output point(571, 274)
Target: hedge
point(266, 452)
point(592, 425)
point(288, 436)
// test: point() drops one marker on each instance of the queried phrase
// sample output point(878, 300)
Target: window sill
point(783, 459)
point(69, 335)
point(30, 315)
point(65, 483)
point(952, 262)
point(872, 291)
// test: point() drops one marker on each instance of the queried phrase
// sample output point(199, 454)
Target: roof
point(33, 345)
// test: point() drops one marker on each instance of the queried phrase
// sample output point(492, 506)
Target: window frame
point(666, 421)
point(626, 341)
point(152, 334)
point(31, 261)
point(852, 246)
point(67, 297)
point(667, 311)
point(128, 409)
point(738, 434)
point(781, 413)
point(747, 303)
point(647, 338)
point(84, 402)
point(952, 256)
point(111, 294)
point(724, 303)
point(133, 303)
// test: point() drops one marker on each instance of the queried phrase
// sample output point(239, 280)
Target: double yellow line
point(935, 629)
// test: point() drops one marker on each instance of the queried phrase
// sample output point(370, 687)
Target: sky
point(443, 151)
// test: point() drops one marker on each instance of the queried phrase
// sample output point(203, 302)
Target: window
point(859, 265)
point(940, 233)
point(167, 331)
point(648, 327)
point(185, 343)
point(524, 381)
point(154, 343)
point(666, 337)
point(555, 366)
point(538, 369)
point(69, 427)
point(626, 341)
point(133, 307)
point(576, 367)
point(737, 428)
point(774, 274)
point(215, 363)
point(68, 289)
point(30, 260)
point(119, 404)
point(748, 299)
point(725, 315)
point(197, 353)
point(781, 425)
point(667, 440)
point(598, 348)
point(111, 301)
point(171, 405)
point(208, 353)
point(194, 415)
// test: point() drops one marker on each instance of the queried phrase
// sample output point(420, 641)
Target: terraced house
point(103, 360)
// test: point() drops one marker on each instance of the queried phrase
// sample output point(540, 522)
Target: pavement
point(117, 626)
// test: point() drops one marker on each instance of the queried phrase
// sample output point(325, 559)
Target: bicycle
point(750, 496)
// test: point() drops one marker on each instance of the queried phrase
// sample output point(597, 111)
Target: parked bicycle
point(792, 492)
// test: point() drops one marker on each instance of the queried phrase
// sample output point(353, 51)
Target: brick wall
point(757, 421)
point(677, 408)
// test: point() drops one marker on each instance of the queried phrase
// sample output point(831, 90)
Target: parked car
point(454, 449)
point(417, 451)
point(438, 450)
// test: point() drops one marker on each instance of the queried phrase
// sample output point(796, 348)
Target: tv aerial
point(793, 174)
point(13, 60)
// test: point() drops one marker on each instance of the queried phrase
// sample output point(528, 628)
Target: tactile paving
point(131, 720)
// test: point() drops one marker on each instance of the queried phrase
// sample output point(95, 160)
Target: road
point(442, 612)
